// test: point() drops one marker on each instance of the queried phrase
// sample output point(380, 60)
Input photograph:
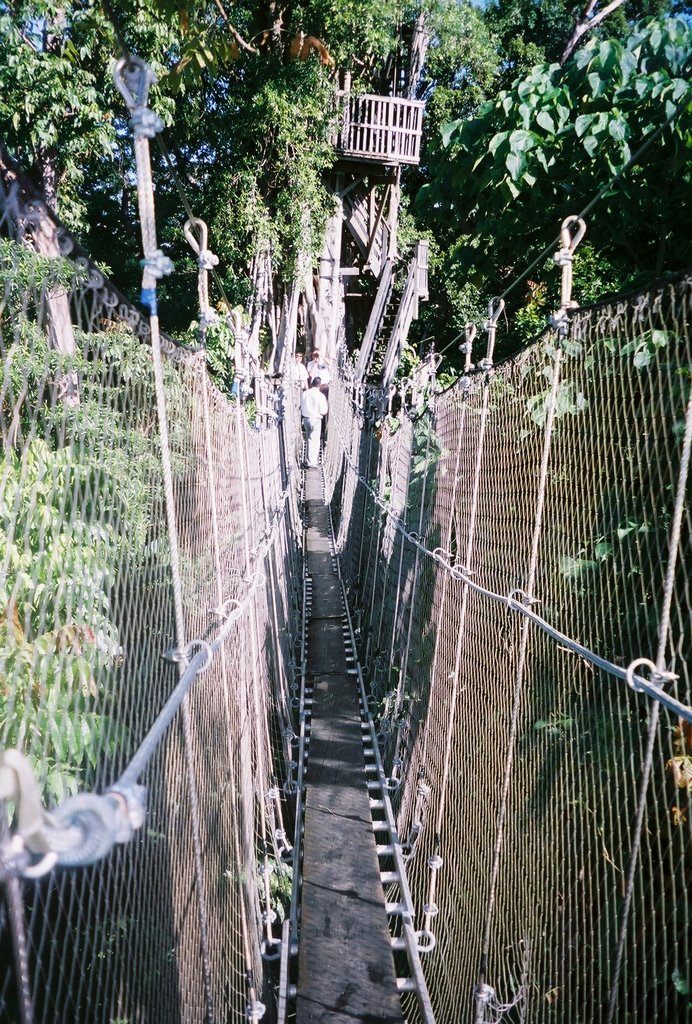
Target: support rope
point(652, 735)
point(133, 78)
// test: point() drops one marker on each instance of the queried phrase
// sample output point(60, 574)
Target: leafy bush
point(56, 636)
point(77, 488)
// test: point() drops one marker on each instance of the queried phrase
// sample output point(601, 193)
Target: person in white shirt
point(300, 373)
point(313, 408)
point(317, 367)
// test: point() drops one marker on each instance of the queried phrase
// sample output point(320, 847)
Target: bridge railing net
point(553, 479)
point(168, 927)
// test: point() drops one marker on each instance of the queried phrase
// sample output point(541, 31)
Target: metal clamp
point(133, 79)
point(658, 678)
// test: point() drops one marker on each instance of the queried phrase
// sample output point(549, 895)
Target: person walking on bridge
point(313, 408)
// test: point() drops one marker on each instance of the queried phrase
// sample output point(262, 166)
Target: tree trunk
point(329, 300)
point(286, 340)
point(46, 242)
point(587, 23)
point(313, 337)
point(41, 232)
point(419, 49)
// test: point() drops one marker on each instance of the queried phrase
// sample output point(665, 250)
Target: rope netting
point(516, 555)
point(511, 554)
point(109, 604)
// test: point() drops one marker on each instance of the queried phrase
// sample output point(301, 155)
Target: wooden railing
point(384, 129)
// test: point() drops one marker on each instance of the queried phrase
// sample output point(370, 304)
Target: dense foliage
point(502, 181)
point(514, 141)
point(78, 485)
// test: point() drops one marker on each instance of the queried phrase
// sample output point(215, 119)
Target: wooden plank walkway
point(345, 965)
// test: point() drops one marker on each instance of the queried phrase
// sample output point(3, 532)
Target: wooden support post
point(329, 299)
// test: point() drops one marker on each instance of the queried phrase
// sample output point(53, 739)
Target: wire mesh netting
point(100, 595)
point(544, 804)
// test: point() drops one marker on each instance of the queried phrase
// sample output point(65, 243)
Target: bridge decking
point(346, 968)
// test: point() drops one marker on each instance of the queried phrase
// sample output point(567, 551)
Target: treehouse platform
point(380, 130)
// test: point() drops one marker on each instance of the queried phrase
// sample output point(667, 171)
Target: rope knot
point(255, 1011)
point(157, 264)
point(563, 257)
point(207, 259)
point(145, 123)
point(208, 318)
point(484, 993)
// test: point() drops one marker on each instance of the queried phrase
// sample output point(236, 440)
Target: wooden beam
point(378, 221)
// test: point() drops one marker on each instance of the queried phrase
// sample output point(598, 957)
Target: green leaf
point(597, 84)
point(447, 130)
point(522, 141)
point(574, 568)
point(582, 123)
point(515, 164)
point(544, 119)
point(497, 141)
point(602, 550)
point(680, 983)
point(591, 145)
point(618, 130)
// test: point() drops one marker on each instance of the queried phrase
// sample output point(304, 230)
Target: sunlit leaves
point(548, 144)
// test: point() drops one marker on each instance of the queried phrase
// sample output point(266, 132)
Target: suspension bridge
point(406, 737)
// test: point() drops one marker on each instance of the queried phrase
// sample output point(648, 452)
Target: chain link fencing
point(105, 597)
point(511, 553)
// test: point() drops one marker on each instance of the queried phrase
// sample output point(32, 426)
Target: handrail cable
point(518, 601)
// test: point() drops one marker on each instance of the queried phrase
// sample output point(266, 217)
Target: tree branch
point(586, 24)
point(234, 31)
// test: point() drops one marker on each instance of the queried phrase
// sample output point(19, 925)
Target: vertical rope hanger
point(467, 349)
point(206, 260)
point(15, 913)
point(659, 670)
point(133, 79)
point(397, 762)
point(572, 232)
point(255, 1009)
point(427, 939)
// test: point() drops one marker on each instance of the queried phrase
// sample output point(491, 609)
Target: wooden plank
point(326, 598)
point(314, 490)
point(319, 563)
point(346, 969)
